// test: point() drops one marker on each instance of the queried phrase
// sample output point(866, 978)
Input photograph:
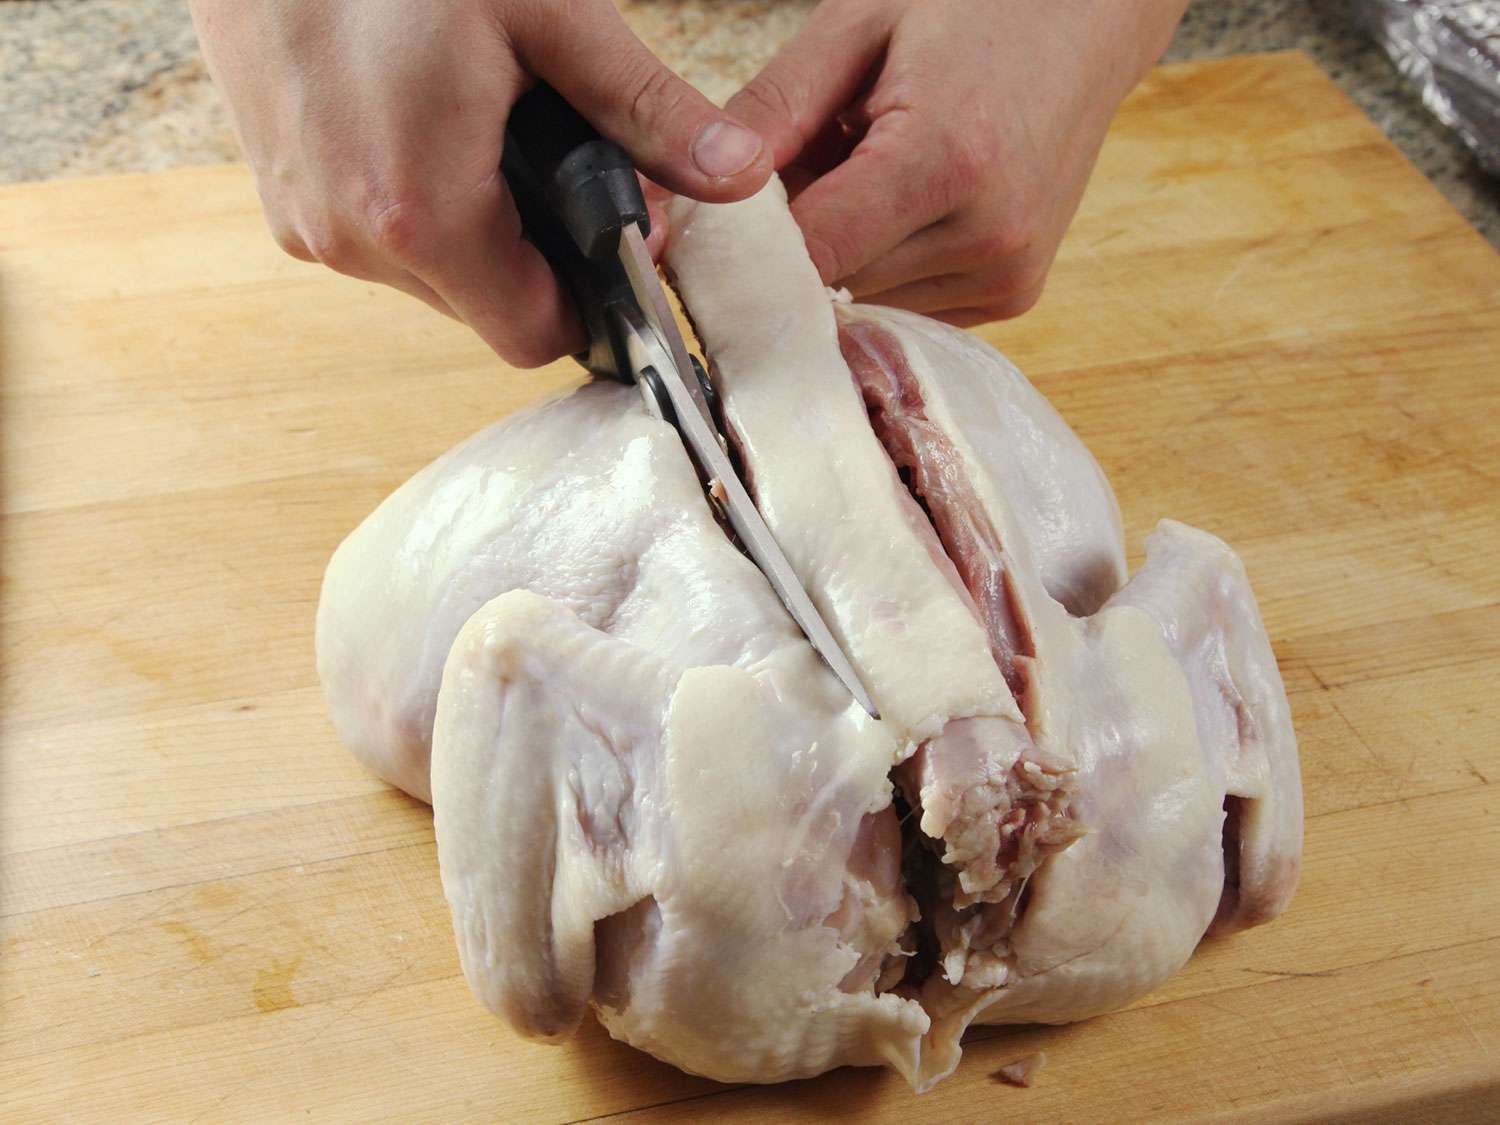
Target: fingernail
point(724, 148)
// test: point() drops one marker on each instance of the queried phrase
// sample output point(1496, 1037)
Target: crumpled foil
point(1451, 50)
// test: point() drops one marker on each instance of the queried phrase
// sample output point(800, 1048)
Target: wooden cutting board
point(1264, 323)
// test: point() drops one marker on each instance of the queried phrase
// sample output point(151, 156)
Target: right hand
point(374, 130)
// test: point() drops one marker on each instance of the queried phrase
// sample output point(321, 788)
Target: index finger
point(893, 184)
point(479, 261)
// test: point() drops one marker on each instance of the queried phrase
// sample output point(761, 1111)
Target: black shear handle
point(575, 192)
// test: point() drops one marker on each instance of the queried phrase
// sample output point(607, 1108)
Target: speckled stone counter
point(95, 86)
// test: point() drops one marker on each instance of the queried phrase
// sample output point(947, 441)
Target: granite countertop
point(97, 86)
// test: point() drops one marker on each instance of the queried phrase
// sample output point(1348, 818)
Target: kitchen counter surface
point(98, 86)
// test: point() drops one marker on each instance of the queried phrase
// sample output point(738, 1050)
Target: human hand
point(374, 130)
point(936, 150)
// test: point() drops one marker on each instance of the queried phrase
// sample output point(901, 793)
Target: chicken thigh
point(652, 798)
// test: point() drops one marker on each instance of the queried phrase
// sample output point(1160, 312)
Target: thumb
point(796, 99)
point(673, 133)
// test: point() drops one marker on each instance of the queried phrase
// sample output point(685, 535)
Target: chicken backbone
point(653, 800)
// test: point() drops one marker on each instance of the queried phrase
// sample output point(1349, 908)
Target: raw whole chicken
point(652, 799)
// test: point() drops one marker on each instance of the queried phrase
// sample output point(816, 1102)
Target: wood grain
point(1264, 322)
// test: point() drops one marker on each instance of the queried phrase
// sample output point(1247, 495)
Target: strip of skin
point(821, 480)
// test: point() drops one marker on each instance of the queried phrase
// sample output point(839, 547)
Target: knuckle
point(995, 244)
point(768, 94)
point(826, 255)
point(403, 231)
point(1020, 304)
point(1006, 237)
point(966, 169)
point(1018, 294)
point(291, 243)
point(328, 243)
point(655, 93)
point(969, 158)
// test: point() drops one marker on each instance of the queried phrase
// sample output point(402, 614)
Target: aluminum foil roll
point(1451, 50)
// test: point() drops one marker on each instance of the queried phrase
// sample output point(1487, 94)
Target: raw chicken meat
point(650, 796)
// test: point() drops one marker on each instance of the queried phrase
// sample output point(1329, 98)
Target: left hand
point(936, 150)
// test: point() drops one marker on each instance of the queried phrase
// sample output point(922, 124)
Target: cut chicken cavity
point(989, 803)
point(938, 479)
point(652, 799)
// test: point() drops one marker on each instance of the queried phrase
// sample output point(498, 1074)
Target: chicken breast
point(652, 798)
